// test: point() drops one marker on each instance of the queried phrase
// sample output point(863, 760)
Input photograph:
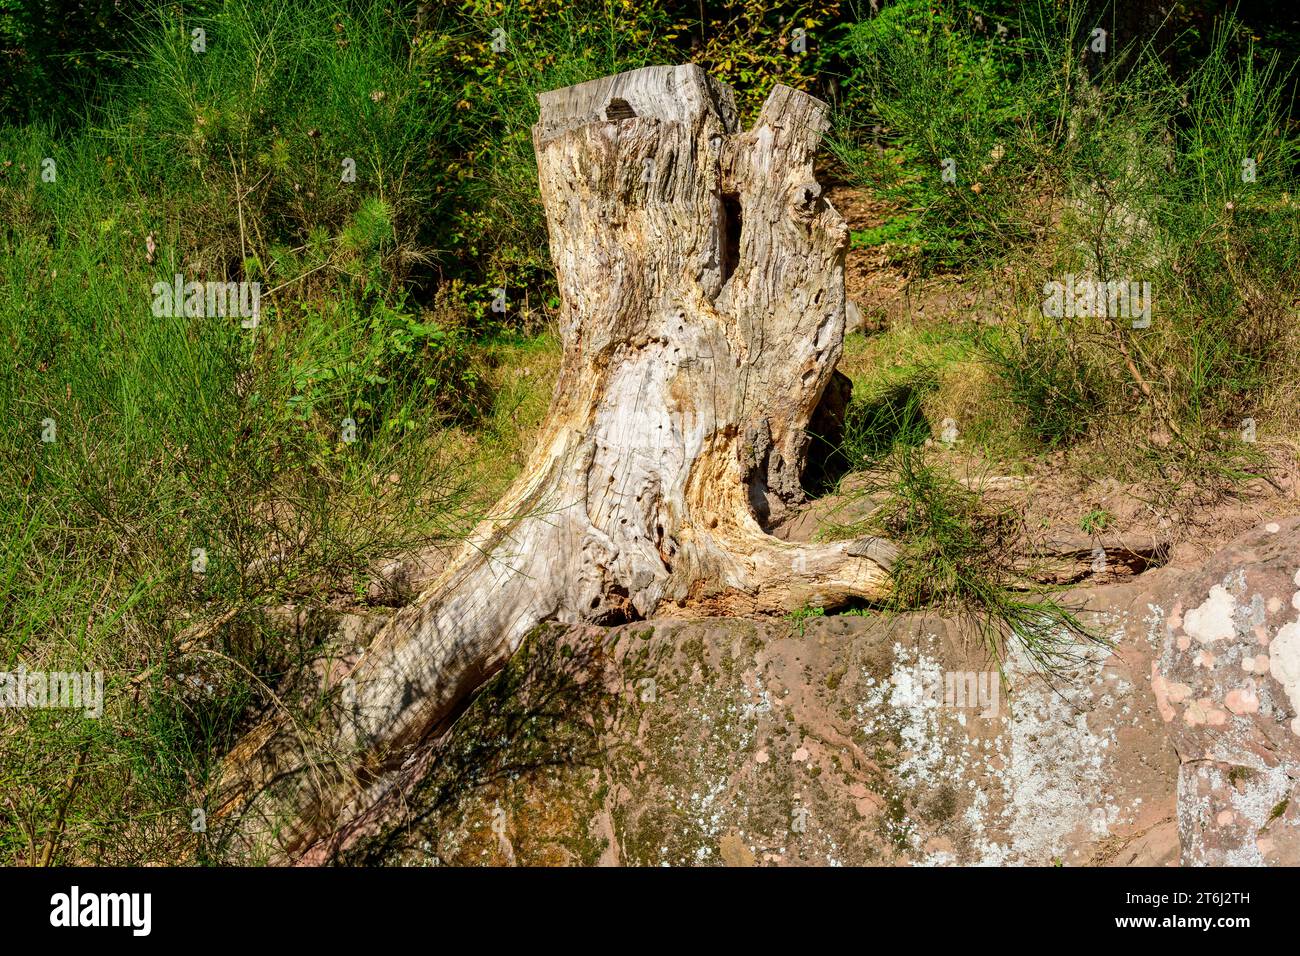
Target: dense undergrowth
point(1068, 165)
point(369, 166)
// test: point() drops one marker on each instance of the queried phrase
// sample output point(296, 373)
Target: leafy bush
point(926, 99)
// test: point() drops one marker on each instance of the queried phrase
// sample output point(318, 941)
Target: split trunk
point(700, 272)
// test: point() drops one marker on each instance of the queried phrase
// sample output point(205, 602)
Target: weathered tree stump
point(701, 278)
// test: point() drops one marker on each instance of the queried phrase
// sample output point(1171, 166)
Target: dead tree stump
point(701, 279)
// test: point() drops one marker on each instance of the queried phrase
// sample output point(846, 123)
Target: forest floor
point(1057, 495)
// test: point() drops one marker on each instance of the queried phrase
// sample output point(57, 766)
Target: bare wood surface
point(700, 273)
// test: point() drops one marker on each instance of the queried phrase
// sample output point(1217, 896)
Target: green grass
point(363, 416)
point(911, 376)
point(172, 434)
point(175, 434)
point(1105, 167)
point(1096, 520)
point(179, 433)
point(799, 619)
point(956, 554)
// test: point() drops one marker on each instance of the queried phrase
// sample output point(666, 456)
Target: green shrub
point(1104, 167)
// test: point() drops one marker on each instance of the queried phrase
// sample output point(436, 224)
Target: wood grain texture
point(700, 273)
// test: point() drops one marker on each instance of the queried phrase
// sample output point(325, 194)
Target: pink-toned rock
point(894, 743)
point(1238, 749)
point(1152, 756)
point(1242, 701)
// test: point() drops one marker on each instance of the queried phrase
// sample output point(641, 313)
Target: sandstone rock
point(881, 739)
point(851, 740)
point(1228, 686)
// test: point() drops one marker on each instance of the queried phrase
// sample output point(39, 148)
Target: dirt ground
point(1054, 494)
